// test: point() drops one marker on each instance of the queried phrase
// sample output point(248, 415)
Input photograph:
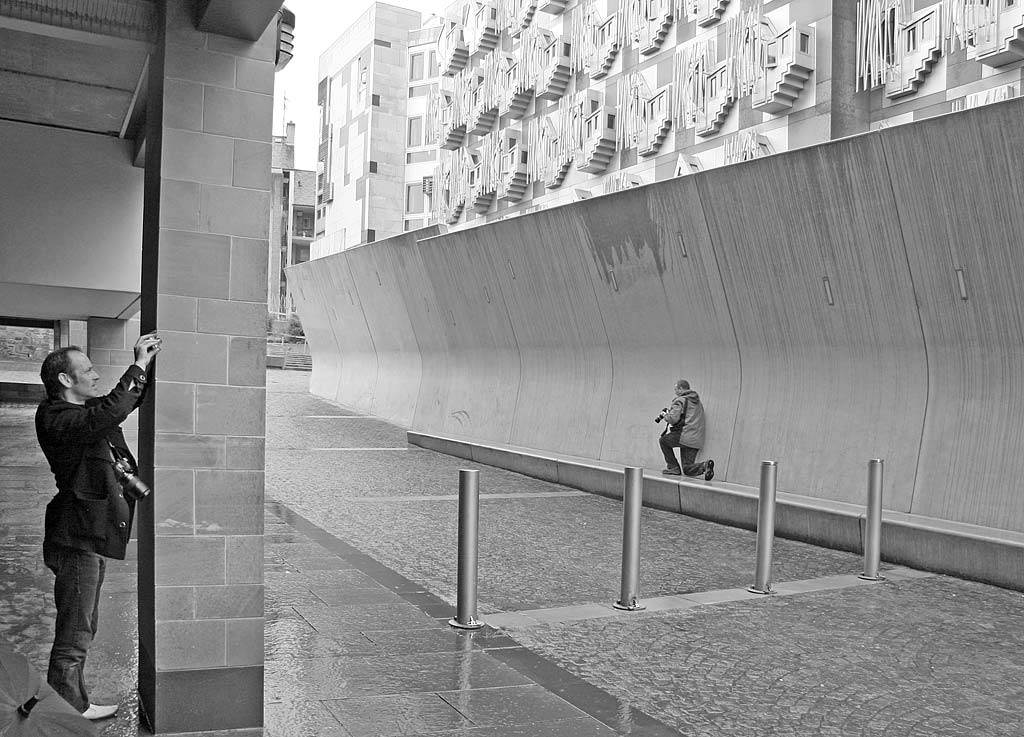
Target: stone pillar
point(110, 345)
point(208, 146)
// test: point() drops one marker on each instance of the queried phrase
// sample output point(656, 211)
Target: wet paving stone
point(512, 705)
point(405, 714)
point(884, 659)
point(338, 678)
point(360, 580)
point(301, 718)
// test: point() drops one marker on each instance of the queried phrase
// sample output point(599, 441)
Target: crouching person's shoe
point(709, 470)
point(672, 472)
point(100, 711)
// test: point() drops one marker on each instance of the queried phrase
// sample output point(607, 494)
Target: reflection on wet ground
point(354, 648)
point(360, 579)
point(26, 586)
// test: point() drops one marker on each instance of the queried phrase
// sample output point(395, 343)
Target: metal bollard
point(469, 518)
point(632, 504)
point(873, 529)
point(765, 529)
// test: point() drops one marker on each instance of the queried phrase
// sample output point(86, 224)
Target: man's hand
point(146, 348)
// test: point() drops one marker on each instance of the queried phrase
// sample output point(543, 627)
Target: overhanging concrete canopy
point(245, 19)
point(43, 302)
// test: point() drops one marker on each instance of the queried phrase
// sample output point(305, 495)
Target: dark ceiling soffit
point(244, 19)
point(25, 322)
point(131, 20)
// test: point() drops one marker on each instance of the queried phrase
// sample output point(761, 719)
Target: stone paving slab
point(347, 669)
point(916, 654)
point(538, 548)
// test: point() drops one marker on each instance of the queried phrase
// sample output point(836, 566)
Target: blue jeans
point(76, 591)
point(669, 442)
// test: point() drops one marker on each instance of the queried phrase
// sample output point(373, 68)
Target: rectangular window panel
point(415, 131)
point(415, 67)
point(414, 197)
point(418, 157)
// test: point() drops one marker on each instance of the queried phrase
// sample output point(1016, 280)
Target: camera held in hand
point(659, 418)
point(134, 488)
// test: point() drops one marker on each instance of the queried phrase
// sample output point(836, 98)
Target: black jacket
point(89, 511)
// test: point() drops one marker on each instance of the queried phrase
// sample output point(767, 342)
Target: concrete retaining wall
point(564, 331)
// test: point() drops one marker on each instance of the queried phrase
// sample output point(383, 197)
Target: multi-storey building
point(421, 144)
point(546, 101)
point(292, 198)
point(363, 92)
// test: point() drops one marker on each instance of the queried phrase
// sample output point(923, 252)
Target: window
point(371, 235)
point(373, 167)
point(415, 131)
point(432, 70)
point(416, 67)
point(805, 43)
point(414, 197)
point(912, 39)
point(414, 224)
point(418, 157)
point(375, 100)
point(382, 42)
point(422, 90)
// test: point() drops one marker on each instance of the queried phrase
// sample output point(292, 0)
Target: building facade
point(544, 102)
point(362, 93)
point(292, 212)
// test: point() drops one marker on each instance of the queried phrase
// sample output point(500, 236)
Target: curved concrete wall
point(564, 331)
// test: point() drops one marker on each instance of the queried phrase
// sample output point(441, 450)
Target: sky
point(318, 23)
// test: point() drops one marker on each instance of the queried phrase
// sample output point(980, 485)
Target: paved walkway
point(917, 654)
point(360, 582)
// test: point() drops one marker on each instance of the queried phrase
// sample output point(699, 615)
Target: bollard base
point(473, 624)
point(634, 606)
point(766, 590)
point(866, 577)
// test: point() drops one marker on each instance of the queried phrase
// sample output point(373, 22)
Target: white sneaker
point(99, 711)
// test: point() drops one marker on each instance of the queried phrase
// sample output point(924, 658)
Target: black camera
point(134, 488)
point(659, 418)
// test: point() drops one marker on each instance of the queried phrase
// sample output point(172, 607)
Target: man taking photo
point(90, 518)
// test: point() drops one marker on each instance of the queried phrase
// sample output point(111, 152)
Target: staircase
point(606, 57)
point(558, 175)
point(657, 131)
point(452, 136)
point(555, 79)
point(599, 147)
point(483, 120)
point(554, 7)
point(655, 33)
point(482, 199)
point(483, 29)
point(516, 103)
point(710, 12)
point(1004, 48)
point(909, 84)
point(524, 15)
point(715, 115)
point(453, 50)
point(514, 184)
point(298, 361)
point(789, 83)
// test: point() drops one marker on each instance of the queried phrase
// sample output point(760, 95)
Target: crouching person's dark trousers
point(669, 442)
point(76, 592)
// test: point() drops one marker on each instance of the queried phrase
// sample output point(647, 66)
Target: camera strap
point(116, 455)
